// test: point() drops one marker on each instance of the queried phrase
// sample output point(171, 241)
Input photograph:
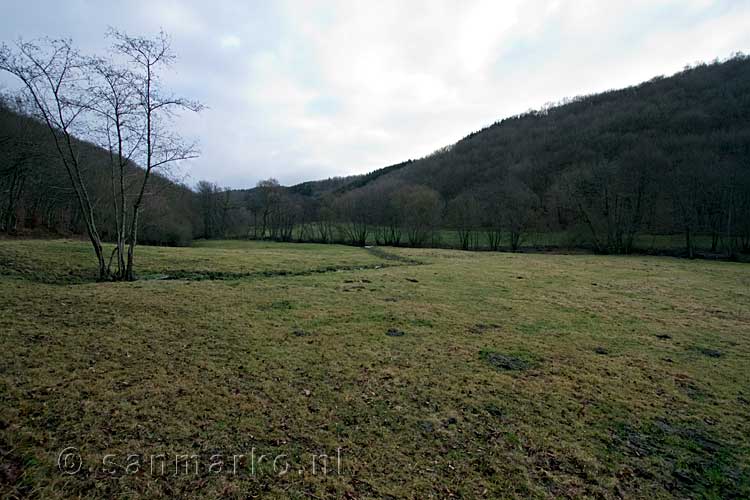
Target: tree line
point(668, 157)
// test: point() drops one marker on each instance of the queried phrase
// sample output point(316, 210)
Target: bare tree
point(463, 216)
point(421, 209)
point(519, 210)
point(353, 212)
point(161, 148)
point(121, 131)
point(263, 204)
point(285, 217)
point(54, 79)
point(323, 226)
point(120, 106)
point(610, 199)
point(208, 205)
point(492, 208)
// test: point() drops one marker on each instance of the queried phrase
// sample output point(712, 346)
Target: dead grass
point(602, 408)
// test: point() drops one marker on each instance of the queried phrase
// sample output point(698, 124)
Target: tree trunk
point(714, 241)
point(16, 187)
point(129, 274)
point(515, 238)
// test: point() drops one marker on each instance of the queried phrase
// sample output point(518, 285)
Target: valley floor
point(420, 373)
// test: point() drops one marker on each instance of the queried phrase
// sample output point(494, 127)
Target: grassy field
point(659, 244)
point(421, 373)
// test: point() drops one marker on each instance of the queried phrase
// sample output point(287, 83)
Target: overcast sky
point(304, 90)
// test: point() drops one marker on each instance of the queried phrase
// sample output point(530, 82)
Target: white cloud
point(230, 41)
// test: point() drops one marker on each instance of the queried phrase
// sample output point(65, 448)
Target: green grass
point(670, 244)
point(299, 363)
point(68, 261)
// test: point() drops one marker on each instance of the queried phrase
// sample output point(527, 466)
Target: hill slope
point(35, 193)
point(703, 111)
point(670, 155)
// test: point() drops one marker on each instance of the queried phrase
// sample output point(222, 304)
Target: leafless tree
point(54, 77)
point(285, 217)
point(208, 201)
point(421, 209)
point(354, 217)
point(463, 215)
point(263, 203)
point(161, 147)
point(117, 106)
point(118, 103)
point(323, 225)
point(520, 208)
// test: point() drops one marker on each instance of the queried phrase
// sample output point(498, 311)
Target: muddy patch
point(692, 462)
point(11, 467)
point(395, 332)
point(711, 353)
point(506, 362)
point(379, 252)
point(691, 388)
point(481, 328)
point(494, 410)
point(278, 305)
point(426, 426)
point(353, 288)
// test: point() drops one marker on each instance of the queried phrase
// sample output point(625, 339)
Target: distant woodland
point(668, 157)
point(35, 193)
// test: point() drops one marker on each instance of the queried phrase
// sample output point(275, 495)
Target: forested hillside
point(668, 157)
point(36, 195)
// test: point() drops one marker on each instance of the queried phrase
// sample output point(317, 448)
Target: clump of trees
point(117, 103)
point(215, 205)
point(275, 213)
point(464, 214)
